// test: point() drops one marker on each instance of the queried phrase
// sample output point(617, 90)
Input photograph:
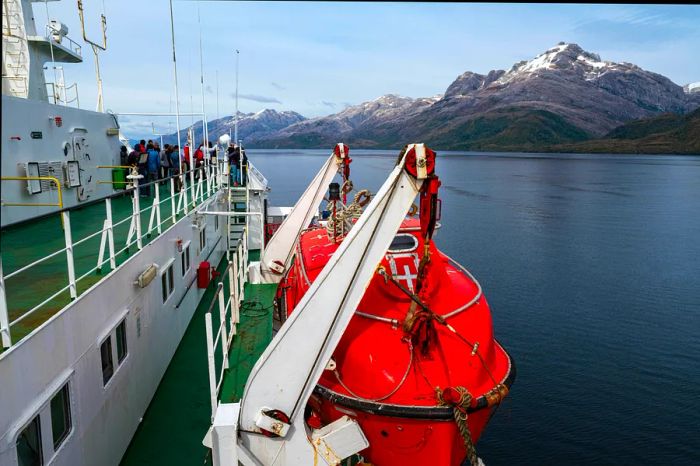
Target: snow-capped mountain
point(352, 122)
point(564, 94)
point(250, 125)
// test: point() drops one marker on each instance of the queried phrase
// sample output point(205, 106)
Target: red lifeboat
point(406, 371)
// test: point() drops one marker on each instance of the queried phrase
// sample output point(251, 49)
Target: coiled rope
point(342, 223)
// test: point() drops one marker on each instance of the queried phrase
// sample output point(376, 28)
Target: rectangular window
point(167, 282)
point(202, 239)
point(121, 341)
point(107, 362)
point(185, 259)
point(60, 416)
point(29, 445)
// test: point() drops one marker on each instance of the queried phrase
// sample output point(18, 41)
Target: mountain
point(250, 126)
point(563, 95)
point(357, 123)
point(665, 134)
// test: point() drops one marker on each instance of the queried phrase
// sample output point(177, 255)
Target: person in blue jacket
point(153, 166)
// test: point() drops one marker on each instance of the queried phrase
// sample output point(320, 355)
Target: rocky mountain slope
point(250, 126)
point(565, 94)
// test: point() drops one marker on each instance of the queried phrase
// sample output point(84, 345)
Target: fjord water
point(591, 265)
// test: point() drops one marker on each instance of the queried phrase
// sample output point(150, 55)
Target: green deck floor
point(30, 241)
point(178, 417)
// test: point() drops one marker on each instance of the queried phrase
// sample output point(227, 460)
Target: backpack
point(143, 159)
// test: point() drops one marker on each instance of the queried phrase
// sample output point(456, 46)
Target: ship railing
point(55, 90)
point(180, 206)
point(228, 318)
point(55, 35)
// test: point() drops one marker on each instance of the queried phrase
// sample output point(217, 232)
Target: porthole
point(403, 243)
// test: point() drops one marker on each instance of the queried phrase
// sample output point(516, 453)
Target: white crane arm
point(285, 375)
point(278, 254)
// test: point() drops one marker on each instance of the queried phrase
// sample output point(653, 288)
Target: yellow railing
point(59, 204)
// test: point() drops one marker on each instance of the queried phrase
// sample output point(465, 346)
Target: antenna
point(177, 105)
point(205, 129)
point(235, 127)
point(95, 49)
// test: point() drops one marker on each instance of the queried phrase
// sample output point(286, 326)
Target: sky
point(316, 58)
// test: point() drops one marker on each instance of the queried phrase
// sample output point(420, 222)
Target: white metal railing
point(107, 242)
point(54, 91)
point(72, 45)
point(229, 317)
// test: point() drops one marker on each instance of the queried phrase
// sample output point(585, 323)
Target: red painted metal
point(374, 357)
point(203, 274)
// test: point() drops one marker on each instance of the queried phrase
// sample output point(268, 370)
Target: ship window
point(202, 239)
point(185, 259)
point(121, 341)
point(167, 281)
point(107, 362)
point(60, 416)
point(29, 445)
point(403, 243)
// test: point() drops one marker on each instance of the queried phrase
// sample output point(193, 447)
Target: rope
point(459, 399)
point(403, 379)
point(342, 223)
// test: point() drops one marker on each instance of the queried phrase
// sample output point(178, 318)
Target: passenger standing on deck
point(244, 167)
point(175, 165)
point(234, 161)
point(198, 160)
point(153, 166)
point(165, 163)
point(133, 158)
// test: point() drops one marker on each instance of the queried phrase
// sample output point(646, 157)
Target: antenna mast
point(95, 49)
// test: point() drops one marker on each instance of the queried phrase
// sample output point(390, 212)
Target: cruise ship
point(186, 321)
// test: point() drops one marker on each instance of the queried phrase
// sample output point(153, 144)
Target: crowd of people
point(157, 164)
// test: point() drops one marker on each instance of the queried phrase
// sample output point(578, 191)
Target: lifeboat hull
point(383, 376)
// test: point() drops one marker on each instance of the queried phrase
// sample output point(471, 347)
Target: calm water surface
point(591, 264)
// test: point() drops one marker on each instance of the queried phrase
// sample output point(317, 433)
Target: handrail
point(203, 196)
point(31, 178)
point(229, 312)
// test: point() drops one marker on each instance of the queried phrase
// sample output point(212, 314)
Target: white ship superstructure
point(97, 283)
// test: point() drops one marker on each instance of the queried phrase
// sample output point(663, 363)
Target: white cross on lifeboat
point(408, 263)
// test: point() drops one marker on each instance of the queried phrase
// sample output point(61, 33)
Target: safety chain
point(459, 399)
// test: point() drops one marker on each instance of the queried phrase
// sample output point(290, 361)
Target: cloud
point(257, 98)
point(328, 104)
point(279, 87)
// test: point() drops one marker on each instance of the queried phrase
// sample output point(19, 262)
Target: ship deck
point(179, 414)
point(27, 242)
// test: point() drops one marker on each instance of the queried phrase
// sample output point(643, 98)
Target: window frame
point(68, 417)
point(185, 258)
point(202, 238)
point(125, 343)
point(107, 340)
point(41, 409)
point(167, 278)
point(36, 418)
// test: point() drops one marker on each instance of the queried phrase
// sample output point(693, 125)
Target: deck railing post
point(236, 283)
point(222, 325)
point(172, 200)
point(136, 214)
point(157, 203)
point(69, 254)
point(110, 234)
point(4, 318)
point(211, 363)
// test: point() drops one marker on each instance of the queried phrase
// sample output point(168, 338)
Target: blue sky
point(316, 58)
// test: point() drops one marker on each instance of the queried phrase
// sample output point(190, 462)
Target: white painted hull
point(67, 347)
